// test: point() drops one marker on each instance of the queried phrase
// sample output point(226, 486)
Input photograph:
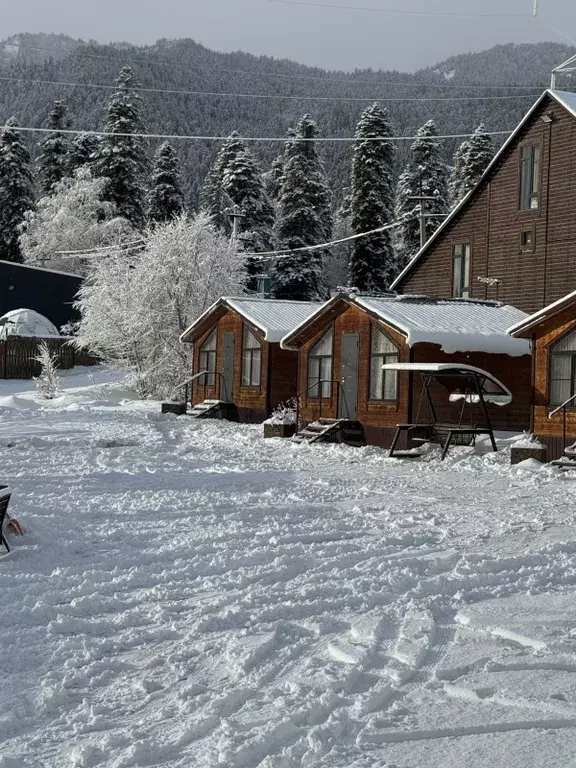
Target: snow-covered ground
point(191, 595)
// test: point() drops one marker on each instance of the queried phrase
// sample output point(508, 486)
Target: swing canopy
point(463, 382)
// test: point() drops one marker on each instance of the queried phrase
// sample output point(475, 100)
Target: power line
point(403, 12)
point(97, 86)
point(133, 244)
point(259, 73)
point(181, 137)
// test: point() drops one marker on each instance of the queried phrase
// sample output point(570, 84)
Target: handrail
point(564, 405)
point(319, 385)
point(189, 381)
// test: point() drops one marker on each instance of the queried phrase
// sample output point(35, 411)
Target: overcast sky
point(327, 37)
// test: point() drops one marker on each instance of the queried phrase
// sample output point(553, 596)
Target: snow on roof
point(274, 317)
point(456, 325)
point(543, 313)
point(26, 322)
point(564, 98)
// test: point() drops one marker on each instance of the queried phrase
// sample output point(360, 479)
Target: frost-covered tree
point(123, 160)
point(165, 199)
point(372, 265)
point(54, 158)
point(74, 217)
point(426, 175)
point(133, 311)
point(456, 182)
point(304, 217)
point(48, 382)
point(16, 190)
point(214, 199)
point(83, 152)
point(478, 157)
point(272, 178)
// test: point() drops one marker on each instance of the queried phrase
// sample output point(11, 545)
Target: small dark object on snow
point(4, 502)
point(178, 408)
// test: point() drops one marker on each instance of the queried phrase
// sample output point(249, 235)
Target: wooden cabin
point(512, 237)
point(345, 342)
point(552, 332)
point(237, 342)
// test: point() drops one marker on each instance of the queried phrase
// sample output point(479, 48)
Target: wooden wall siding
point(354, 320)
point(492, 222)
point(279, 372)
point(17, 357)
point(547, 335)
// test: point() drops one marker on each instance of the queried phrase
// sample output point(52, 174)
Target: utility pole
point(235, 213)
point(423, 216)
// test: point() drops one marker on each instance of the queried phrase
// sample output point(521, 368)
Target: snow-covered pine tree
point(272, 178)
point(54, 158)
point(165, 199)
point(16, 190)
point(123, 159)
point(214, 198)
point(456, 183)
point(84, 152)
point(425, 175)
point(372, 264)
point(304, 217)
point(48, 382)
point(478, 157)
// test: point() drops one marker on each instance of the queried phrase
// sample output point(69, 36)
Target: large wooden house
point(237, 343)
point(552, 331)
point(513, 237)
point(345, 342)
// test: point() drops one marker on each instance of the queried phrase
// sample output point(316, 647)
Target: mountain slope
point(333, 98)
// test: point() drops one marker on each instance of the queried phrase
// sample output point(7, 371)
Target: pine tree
point(304, 218)
point(54, 159)
point(456, 184)
point(426, 175)
point(48, 382)
point(478, 158)
point(165, 200)
point(372, 265)
point(84, 152)
point(123, 159)
point(16, 190)
point(215, 199)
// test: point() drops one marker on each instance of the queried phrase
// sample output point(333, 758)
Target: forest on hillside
point(263, 96)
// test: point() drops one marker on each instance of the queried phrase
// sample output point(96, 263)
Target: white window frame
point(461, 263)
point(251, 359)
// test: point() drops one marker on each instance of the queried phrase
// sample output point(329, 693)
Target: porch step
point(570, 453)
point(332, 430)
point(564, 464)
point(214, 409)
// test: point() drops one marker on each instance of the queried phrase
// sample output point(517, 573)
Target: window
point(563, 369)
point(251, 359)
point(461, 271)
point(383, 384)
point(320, 367)
point(530, 178)
point(207, 360)
point(527, 239)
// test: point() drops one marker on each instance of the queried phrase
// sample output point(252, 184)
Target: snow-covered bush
point(73, 218)
point(48, 383)
point(135, 306)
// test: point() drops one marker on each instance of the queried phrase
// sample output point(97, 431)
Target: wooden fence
point(17, 356)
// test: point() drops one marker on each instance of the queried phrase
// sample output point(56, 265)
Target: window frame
point(210, 356)
point(253, 353)
point(384, 359)
point(527, 195)
point(531, 247)
point(571, 355)
point(323, 392)
point(465, 259)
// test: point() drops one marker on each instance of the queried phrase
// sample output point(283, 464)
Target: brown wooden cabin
point(348, 339)
point(552, 332)
point(512, 237)
point(237, 340)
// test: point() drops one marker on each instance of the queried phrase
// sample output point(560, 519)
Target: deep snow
point(192, 595)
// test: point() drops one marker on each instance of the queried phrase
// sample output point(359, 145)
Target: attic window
point(530, 178)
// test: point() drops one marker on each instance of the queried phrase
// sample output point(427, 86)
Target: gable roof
point(456, 325)
point(273, 317)
point(522, 328)
point(564, 98)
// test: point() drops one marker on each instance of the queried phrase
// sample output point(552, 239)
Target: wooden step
point(564, 464)
point(405, 455)
point(570, 453)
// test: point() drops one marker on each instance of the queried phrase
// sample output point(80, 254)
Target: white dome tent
point(27, 323)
